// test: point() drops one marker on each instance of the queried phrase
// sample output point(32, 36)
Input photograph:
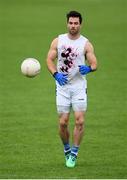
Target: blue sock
point(67, 148)
point(74, 150)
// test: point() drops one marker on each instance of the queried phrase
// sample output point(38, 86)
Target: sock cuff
point(75, 147)
point(74, 150)
point(66, 146)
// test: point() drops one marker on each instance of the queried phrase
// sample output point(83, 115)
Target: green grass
point(29, 143)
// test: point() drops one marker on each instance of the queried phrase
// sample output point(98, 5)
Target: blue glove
point(83, 69)
point(60, 78)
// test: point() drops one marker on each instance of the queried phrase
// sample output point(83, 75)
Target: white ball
point(30, 67)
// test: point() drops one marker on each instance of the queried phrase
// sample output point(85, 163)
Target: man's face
point(73, 25)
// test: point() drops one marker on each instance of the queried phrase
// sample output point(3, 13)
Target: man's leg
point(63, 127)
point(77, 137)
point(64, 133)
point(79, 128)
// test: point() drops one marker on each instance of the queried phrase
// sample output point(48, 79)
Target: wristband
point(54, 74)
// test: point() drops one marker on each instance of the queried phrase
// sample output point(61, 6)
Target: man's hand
point(84, 69)
point(60, 78)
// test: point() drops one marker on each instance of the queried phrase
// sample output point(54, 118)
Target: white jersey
point(71, 54)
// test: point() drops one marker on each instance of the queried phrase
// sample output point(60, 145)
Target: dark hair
point(74, 14)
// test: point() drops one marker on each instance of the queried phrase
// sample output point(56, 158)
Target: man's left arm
point(91, 59)
point(90, 56)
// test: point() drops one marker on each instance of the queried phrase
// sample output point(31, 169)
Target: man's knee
point(79, 117)
point(79, 121)
point(63, 121)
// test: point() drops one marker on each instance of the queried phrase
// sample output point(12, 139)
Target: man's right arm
point(52, 55)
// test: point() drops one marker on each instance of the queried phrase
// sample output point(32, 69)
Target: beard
point(74, 31)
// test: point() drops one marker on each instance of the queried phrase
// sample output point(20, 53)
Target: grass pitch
point(29, 143)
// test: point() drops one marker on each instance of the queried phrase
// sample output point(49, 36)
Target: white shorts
point(71, 96)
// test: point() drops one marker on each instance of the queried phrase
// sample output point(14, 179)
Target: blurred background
point(30, 146)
